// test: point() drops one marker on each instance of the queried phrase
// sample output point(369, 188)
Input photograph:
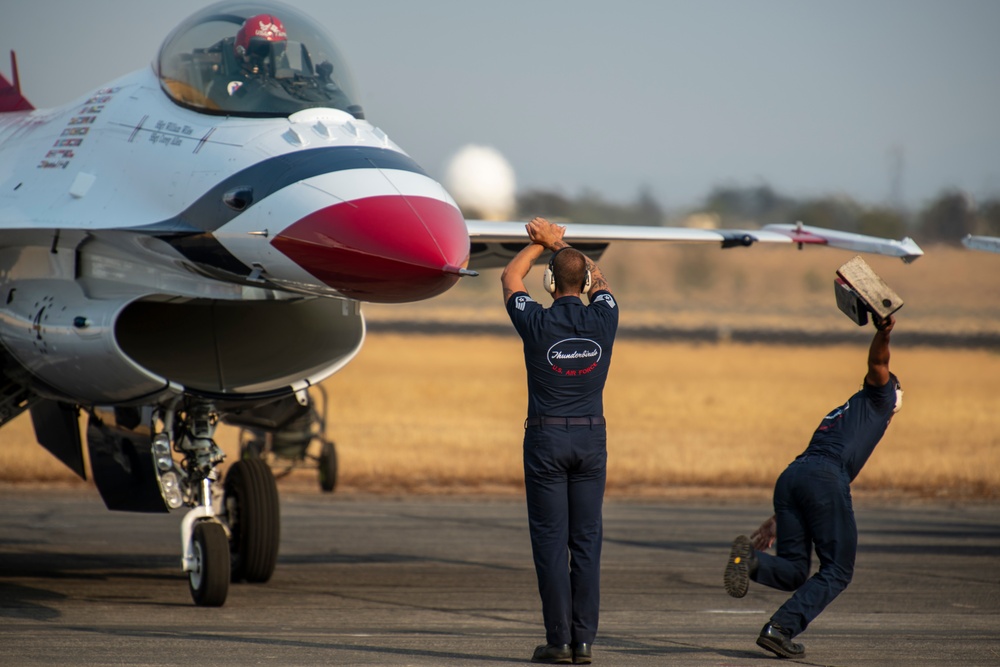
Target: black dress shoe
point(553, 654)
point(742, 563)
point(581, 654)
point(777, 640)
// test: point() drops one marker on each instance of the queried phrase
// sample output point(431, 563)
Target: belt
point(819, 455)
point(564, 421)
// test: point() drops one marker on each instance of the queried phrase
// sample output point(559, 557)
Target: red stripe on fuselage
point(387, 249)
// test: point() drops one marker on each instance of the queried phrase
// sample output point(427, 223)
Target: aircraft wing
point(494, 243)
point(987, 243)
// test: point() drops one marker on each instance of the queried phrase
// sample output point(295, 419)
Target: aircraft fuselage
point(125, 202)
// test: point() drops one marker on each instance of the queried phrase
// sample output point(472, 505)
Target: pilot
point(567, 354)
point(259, 53)
point(812, 508)
point(261, 44)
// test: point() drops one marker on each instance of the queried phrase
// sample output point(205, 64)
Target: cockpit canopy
point(254, 59)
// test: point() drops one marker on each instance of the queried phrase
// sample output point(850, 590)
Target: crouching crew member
point(812, 508)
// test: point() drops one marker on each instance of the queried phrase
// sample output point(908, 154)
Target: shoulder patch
point(521, 301)
point(610, 300)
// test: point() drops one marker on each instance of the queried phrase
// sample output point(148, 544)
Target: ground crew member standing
point(812, 507)
point(567, 353)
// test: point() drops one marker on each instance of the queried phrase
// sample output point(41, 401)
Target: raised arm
point(597, 281)
point(544, 235)
point(878, 353)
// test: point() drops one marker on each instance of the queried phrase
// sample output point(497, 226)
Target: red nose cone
point(386, 249)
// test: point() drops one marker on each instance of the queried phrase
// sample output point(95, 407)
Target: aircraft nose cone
point(385, 249)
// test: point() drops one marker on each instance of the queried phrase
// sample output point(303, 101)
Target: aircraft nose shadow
point(28, 600)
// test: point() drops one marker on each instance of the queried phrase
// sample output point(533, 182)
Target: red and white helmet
point(258, 32)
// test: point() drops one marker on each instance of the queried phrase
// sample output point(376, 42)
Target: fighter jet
point(190, 245)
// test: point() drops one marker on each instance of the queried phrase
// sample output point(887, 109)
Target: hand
point(763, 538)
point(886, 324)
point(544, 233)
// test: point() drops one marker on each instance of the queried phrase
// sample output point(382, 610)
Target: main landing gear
point(290, 434)
point(230, 534)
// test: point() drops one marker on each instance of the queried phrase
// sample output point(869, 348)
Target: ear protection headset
point(549, 277)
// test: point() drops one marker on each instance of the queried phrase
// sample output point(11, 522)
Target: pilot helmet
point(258, 35)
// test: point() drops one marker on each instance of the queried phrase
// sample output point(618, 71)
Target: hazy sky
point(809, 97)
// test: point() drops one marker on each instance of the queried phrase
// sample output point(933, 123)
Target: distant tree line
point(947, 218)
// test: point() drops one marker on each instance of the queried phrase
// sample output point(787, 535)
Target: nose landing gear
point(230, 534)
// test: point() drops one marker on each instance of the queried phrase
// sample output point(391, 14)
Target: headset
point(549, 277)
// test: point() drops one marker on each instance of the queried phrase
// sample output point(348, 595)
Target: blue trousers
point(812, 508)
point(564, 475)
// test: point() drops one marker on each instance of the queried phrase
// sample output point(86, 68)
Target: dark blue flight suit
point(567, 353)
point(812, 506)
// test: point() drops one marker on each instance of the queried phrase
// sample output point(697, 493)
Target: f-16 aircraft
point(190, 245)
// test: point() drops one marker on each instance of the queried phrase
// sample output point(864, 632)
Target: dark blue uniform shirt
point(849, 433)
point(567, 352)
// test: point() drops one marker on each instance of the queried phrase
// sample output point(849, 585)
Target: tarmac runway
point(419, 581)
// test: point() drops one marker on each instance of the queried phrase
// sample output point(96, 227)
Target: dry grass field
point(440, 413)
point(444, 414)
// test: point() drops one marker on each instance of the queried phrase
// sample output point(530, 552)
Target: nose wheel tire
point(251, 507)
point(209, 580)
